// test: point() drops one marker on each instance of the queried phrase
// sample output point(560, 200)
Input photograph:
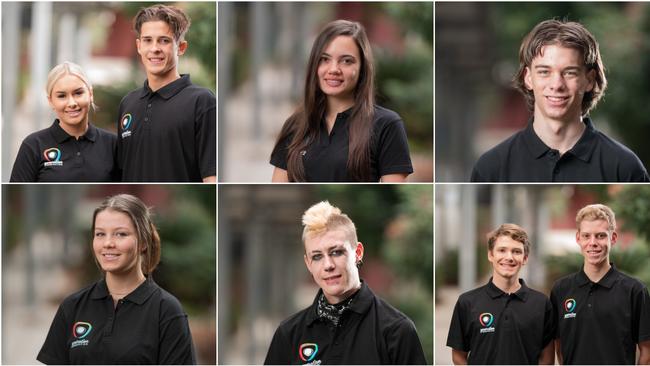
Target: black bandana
point(333, 313)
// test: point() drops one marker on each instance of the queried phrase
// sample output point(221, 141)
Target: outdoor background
point(477, 54)
point(47, 255)
point(36, 36)
point(263, 51)
point(466, 213)
point(262, 276)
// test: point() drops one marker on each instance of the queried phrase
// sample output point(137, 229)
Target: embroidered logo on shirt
point(52, 157)
point(307, 352)
point(486, 320)
point(80, 330)
point(126, 124)
point(570, 308)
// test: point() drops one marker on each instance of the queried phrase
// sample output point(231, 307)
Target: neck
point(595, 272)
point(557, 134)
point(77, 130)
point(158, 81)
point(120, 285)
point(508, 285)
point(334, 107)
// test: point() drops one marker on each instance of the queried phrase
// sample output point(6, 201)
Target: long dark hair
point(304, 125)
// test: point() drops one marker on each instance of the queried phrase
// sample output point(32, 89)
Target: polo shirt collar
point(138, 296)
point(60, 136)
point(495, 292)
point(583, 149)
point(360, 304)
point(168, 90)
point(607, 281)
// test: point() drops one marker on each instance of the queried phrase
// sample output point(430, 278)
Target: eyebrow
point(542, 66)
point(336, 246)
point(344, 55)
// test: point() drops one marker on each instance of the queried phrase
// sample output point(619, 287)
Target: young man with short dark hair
point(505, 321)
point(562, 76)
point(167, 128)
point(602, 314)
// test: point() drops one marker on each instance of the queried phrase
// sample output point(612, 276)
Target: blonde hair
point(323, 217)
point(597, 212)
point(68, 68)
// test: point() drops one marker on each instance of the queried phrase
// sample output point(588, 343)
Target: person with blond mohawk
point(347, 323)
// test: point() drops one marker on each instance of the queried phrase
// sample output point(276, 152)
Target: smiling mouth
point(333, 82)
point(110, 256)
point(553, 100)
point(156, 60)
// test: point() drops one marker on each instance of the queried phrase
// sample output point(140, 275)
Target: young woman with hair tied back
point(124, 318)
point(338, 133)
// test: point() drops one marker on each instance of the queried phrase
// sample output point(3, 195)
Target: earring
point(359, 263)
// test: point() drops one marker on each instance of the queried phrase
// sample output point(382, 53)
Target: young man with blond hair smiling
point(347, 323)
point(602, 313)
point(504, 321)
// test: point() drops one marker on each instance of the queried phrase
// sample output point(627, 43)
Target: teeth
point(333, 82)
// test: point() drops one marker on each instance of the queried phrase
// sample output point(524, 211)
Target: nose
point(334, 67)
point(557, 81)
point(109, 241)
point(72, 102)
point(328, 263)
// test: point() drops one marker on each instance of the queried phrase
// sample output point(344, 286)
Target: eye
point(165, 40)
point(336, 253)
point(542, 72)
point(122, 234)
point(99, 234)
point(324, 59)
point(601, 236)
point(316, 257)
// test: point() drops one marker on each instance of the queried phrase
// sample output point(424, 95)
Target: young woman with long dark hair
point(338, 133)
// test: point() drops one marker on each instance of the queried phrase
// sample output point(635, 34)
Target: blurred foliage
point(409, 249)
point(418, 306)
point(189, 246)
point(406, 81)
point(632, 204)
point(623, 32)
point(632, 261)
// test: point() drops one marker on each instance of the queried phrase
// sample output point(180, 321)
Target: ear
point(182, 47)
point(523, 263)
point(490, 256)
point(591, 80)
point(49, 101)
point(578, 237)
point(137, 45)
point(528, 78)
point(359, 252)
point(614, 237)
point(306, 262)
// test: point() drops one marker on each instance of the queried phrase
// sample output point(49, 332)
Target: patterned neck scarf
point(333, 313)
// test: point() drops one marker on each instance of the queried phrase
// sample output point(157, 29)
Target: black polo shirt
point(525, 158)
point(499, 328)
point(601, 323)
point(168, 135)
point(371, 332)
point(148, 326)
point(326, 160)
point(51, 155)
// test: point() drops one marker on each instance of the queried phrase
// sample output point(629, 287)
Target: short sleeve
point(555, 313)
point(456, 336)
point(175, 347)
point(277, 352)
point(55, 350)
point(404, 345)
point(26, 165)
point(393, 150)
point(550, 324)
point(642, 315)
point(280, 152)
point(206, 135)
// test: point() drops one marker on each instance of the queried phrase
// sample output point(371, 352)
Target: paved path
point(447, 297)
